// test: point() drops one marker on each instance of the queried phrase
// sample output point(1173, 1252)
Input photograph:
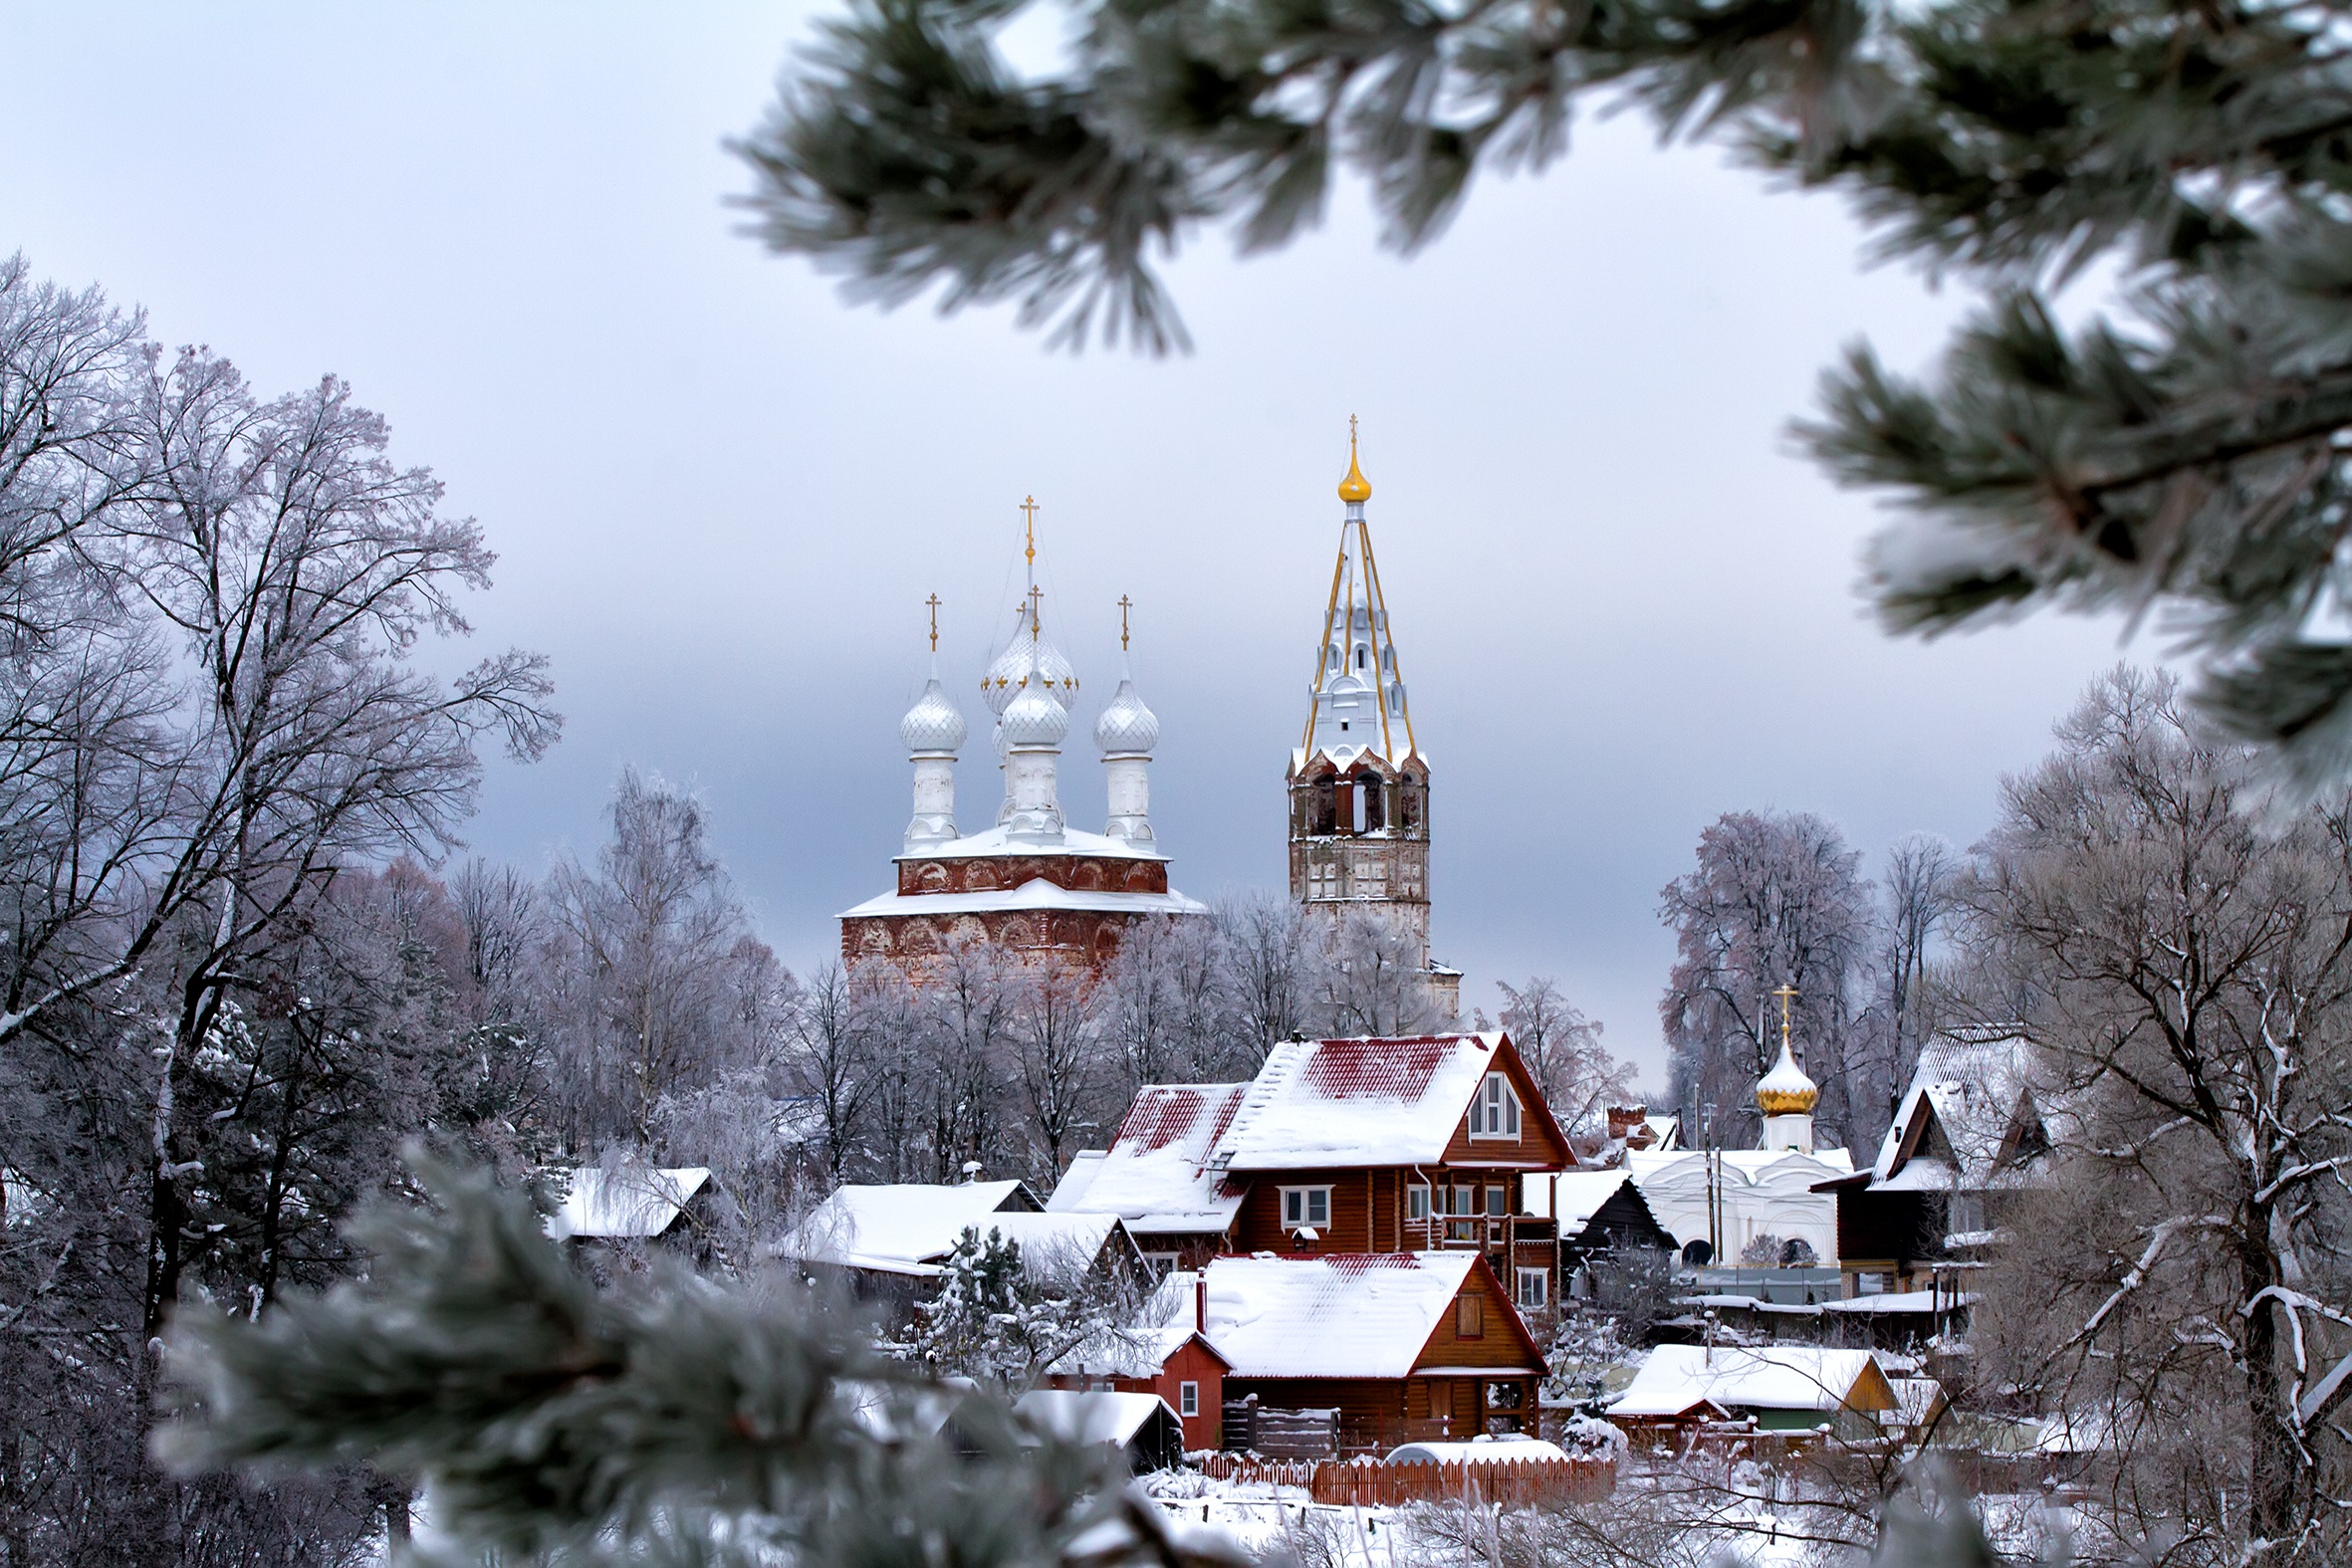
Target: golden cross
point(1029, 508)
point(1035, 624)
point(1125, 604)
point(933, 601)
point(1351, 432)
point(1787, 994)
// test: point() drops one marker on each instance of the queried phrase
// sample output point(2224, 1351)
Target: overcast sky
point(720, 495)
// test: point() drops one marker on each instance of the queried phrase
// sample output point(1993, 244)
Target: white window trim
point(1542, 1282)
point(1188, 1399)
point(1511, 1114)
point(1305, 1219)
point(1416, 1202)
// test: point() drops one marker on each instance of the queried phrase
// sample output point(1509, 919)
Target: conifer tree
point(668, 1418)
point(2181, 456)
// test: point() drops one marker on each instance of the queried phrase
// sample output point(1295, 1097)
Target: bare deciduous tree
point(1562, 1051)
point(1776, 899)
point(2191, 978)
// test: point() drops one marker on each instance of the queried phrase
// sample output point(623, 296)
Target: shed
point(632, 1203)
point(1784, 1388)
point(1405, 1345)
point(1170, 1358)
point(1140, 1426)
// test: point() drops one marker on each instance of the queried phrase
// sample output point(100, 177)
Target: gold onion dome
point(1785, 1090)
point(1355, 487)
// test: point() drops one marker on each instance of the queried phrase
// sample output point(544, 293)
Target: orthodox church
point(1029, 884)
point(1357, 783)
point(1731, 1199)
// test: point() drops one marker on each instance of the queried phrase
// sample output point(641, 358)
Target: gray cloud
point(1622, 604)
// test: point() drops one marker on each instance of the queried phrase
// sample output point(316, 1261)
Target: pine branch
point(672, 1416)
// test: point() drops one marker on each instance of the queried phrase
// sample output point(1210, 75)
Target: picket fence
point(1370, 1484)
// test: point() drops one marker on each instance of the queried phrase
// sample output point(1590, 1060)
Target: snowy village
point(1180, 784)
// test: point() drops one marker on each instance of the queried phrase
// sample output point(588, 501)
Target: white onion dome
point(1785, 1090)
point(1033, 719)
point(1030, 661)
point(1126, 723)
point(933, 724)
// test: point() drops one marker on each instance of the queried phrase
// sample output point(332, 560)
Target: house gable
point(1501, 1343)
point(1539, 1145)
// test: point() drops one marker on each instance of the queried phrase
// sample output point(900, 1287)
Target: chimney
point(1200, 1302)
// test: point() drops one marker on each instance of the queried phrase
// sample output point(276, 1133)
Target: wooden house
point(1403, 1345)
point(1141, 1426)
point(1597, 1211)
point(1172, 1359)
point(889, 1242)
point(1339, 1146)
point(674, 1205)
point(1781, 1388)
point(1968, 1137)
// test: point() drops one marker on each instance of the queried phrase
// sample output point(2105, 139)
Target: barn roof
point(1343, 1102)
point(1343, 1315)
point(1156, 1174)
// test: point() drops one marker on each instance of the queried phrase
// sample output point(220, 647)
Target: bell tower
point(1359, 784)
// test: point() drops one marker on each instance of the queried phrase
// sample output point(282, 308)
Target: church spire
point(1358, 696)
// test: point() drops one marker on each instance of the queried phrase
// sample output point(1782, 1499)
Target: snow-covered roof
point(1156, 1172)
point(627, 1202)
point(1673, 1378)
point(1035, 894)
point(1970, 1093)
point(998, 840)
point(1509, 1449)
point(1089, 1417)
point(1917, 1400)
point(1168, 1322)
point(1578, 1195)
point(1359, 1101)
point(1344, 1316)
point(904, 1228)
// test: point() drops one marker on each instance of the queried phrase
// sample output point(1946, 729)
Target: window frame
point(1498, 1204)
point(1541, 1279)
point(1305, 1196)
point(1188, 1399)
point(1496, 1096)
point(1416, 1202)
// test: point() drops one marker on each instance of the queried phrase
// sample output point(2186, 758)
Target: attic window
point(1305, 1207)
point(1495, 1113)
point(1470, 1318)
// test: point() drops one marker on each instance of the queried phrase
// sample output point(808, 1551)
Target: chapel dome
point(1033, 717)
point(1126, 723)
point(1030, 660)
point(1785, 1090)
point(933, 724)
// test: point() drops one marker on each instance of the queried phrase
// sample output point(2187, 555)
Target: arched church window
point(1359, 656)
point(1322, 814)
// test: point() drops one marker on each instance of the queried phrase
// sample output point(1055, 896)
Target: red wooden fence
point(1368, 1484)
